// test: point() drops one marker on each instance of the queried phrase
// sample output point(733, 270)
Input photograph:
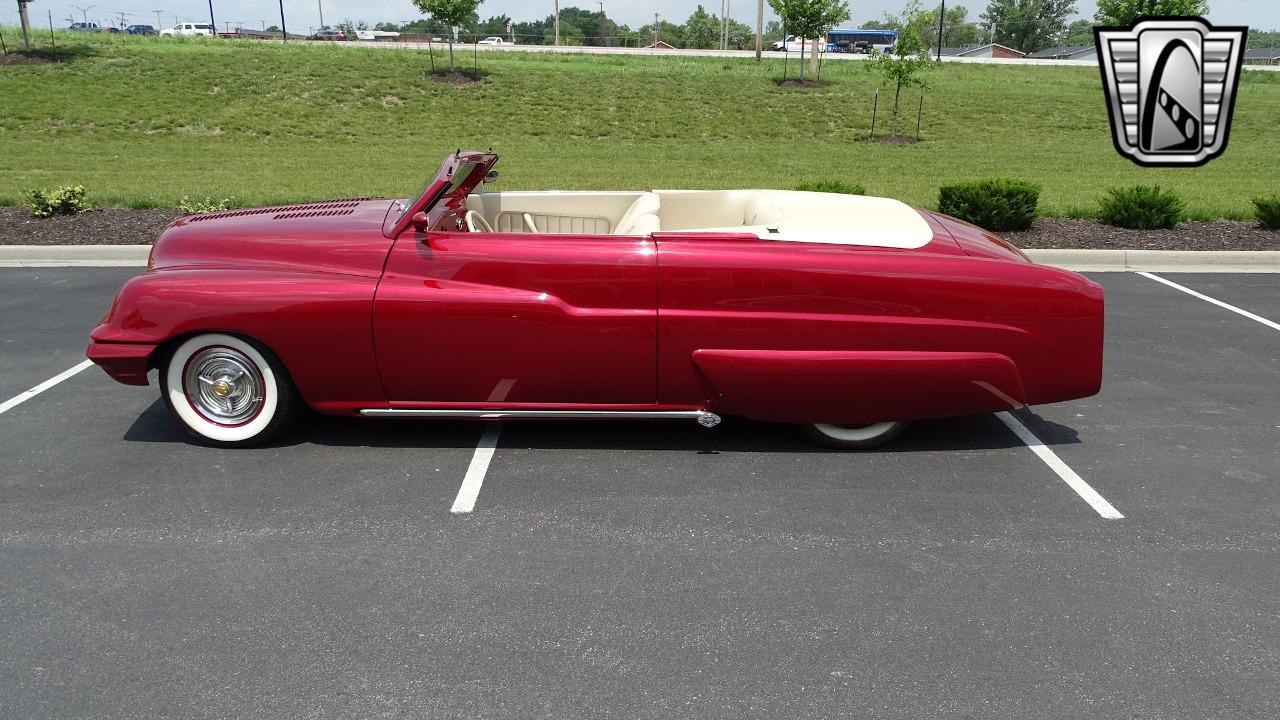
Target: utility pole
point(84, 12)
point(122, 20)
point(159, 22)
point(992, 41)
point(284, 34)
point(213, 25)
point(320, 7)
point(603, 33)
point(557, 23)
point(655, 31)
point(759, 28)
point(942, 14)
point(724, 24)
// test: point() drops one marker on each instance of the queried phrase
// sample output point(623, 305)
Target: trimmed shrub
point(1142, 207)
point(45, 203)
point(1001, 204)
point(832, 186)
point(1268, 212)
point(198, 206)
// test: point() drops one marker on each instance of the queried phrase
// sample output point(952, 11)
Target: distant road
point(594, 50)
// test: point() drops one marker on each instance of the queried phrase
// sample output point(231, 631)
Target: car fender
point(318, 324)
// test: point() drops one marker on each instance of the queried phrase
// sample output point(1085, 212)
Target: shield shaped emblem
point(1170, 86)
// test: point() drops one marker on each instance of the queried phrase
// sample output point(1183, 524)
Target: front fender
point(318, 324)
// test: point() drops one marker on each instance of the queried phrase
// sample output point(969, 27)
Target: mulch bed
point(797, 82)
point(108, 226)
point(35, 57)
point(894, 139)
point(1085, 234)
point(457, 77)
point(116, 226)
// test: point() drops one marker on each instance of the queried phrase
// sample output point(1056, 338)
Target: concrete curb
point(74, 255)
point(1185, 261)
point(1222, 261)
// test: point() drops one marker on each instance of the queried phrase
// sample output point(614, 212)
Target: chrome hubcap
point(223, 385)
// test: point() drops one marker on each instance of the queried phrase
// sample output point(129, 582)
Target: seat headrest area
point(641, 218)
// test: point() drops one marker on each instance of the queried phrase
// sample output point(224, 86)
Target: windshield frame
point(447, 189)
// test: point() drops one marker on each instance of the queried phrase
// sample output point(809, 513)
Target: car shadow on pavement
point(977, 432)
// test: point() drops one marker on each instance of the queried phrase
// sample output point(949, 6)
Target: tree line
point(1031, 25)
point(1025, 25)
point(585, 27)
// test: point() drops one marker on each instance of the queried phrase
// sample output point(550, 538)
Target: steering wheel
point(476, 222)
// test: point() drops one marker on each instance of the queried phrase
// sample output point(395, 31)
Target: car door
point(487, 317)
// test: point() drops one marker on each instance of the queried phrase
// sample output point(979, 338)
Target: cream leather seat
point(641, 218)
point(717, 210)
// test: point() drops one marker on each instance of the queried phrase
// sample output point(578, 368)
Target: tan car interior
point(769, 214)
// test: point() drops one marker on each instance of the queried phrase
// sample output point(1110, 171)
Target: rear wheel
point(854, 437)
point(228, 391)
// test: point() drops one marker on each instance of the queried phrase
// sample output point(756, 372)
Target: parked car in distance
point(326, 33)
point(494, 40)
point(85, 27)
point(140, 30)
point(188, 30)
point(847, 315)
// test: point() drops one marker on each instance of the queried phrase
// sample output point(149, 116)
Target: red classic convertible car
point(847, 315)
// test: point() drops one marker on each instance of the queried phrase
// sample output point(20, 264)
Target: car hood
point(343, 236)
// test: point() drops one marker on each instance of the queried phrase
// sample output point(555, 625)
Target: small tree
point(906, 64)
point(1028, 25)
point(810, 19)
point(450, 12)
point(1126, 12)
point(701, 30)
point(26, 34)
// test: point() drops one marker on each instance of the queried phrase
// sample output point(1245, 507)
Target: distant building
point(1262, 56)
point(984, 51)
point(243, 33)
point(1066, 52)
point(660, 45)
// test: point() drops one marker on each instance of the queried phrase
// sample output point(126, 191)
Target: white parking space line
point(1215, 301)
point(465, 502)
point(1077, 483)
point(17, 400)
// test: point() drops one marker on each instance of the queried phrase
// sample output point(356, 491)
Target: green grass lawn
point(142, 121)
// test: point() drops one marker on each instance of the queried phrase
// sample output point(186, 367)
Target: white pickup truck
point(794, 43)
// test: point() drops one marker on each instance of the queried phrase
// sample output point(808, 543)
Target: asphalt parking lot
point(659, 570)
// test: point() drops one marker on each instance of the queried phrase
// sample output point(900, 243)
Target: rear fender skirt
point(858, 387)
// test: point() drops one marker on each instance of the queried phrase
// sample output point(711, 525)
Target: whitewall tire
point(227, 391)
point(849, 437)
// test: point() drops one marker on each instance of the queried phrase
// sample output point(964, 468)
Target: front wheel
point(850, 437)
point(228, 391)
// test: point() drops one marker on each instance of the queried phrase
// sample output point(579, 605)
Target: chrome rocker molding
point(704, 418)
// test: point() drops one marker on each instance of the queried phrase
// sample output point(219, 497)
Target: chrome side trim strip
point(702, 416)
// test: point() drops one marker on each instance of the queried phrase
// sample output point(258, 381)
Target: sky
point(302, 14)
